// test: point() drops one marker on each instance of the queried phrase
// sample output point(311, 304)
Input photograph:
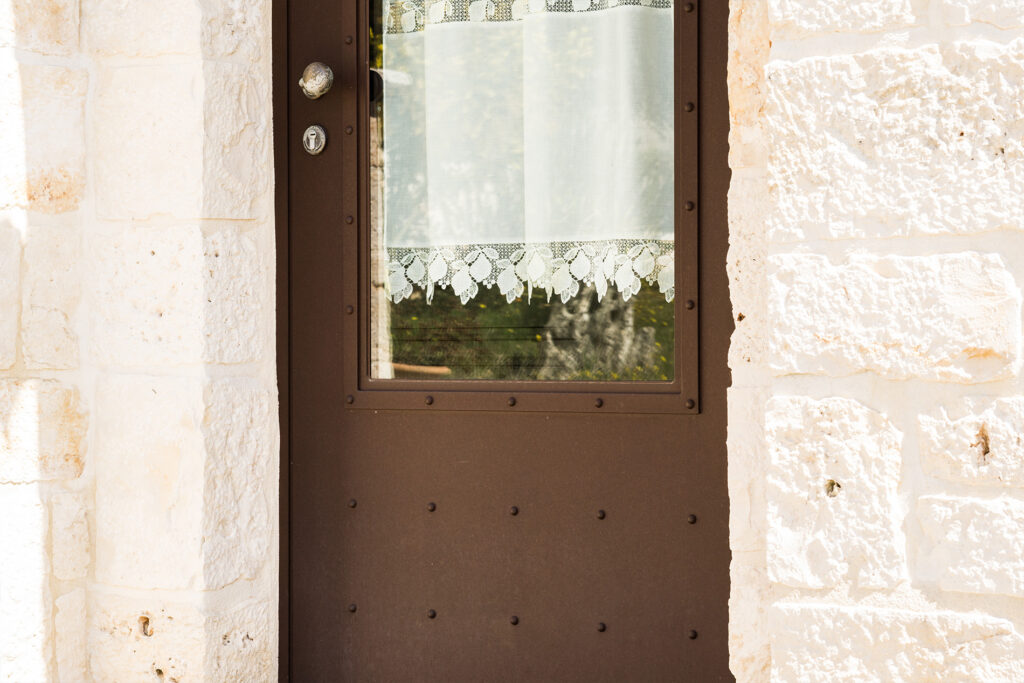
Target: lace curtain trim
point(408, 16)
point(558, 268)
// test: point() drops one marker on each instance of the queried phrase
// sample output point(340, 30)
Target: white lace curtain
point(528, 145)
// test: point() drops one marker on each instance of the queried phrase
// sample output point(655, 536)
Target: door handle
point(317, 79)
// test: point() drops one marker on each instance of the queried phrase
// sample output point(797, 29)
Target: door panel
point(615, 563)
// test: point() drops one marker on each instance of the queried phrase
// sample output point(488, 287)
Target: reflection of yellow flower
point(663, 359)
point(538, 337)
point(664, 377)
point(483, 305)
point(415, 318)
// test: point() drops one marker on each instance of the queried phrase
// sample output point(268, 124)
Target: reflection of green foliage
point(376, 35)
point(490, 339)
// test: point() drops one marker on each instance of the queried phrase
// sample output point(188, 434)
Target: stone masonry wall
point(876, 436)
point(138, 408)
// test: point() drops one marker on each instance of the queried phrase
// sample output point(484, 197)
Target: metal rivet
point(511, 401)
point(350, 399)
point(348, 40)
point(691, 304)
point(349, 219)
point(349, 130)
point(693, 635)
point(692, 519)
point(690, 404)
point(598, 403)
point(350, 309)
point(431, 614)
point(513, 511)
point(352, 607)
point(690, 106)
point(514, 621)
point(601, 514)
point(690, 206)
point(352, 503)
point(429, 400)
point(688, 7)
point(431, 507)
point(602, 627)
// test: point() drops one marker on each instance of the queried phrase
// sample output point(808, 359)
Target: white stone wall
point(876, 436)
point(138, 405)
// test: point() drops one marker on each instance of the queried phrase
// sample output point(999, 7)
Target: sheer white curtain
point(528, 145)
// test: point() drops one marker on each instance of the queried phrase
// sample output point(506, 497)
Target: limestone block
point(982, 447)
point(1001, 13)
point(42, 136)
point(749, 45)
point(214, 29)
point(139, 639)
point(798, 17)
point(45, 26)
point(833, 509)
point(42, 430)
point(897, 142)
point(25, 602)
point(747, 273)
point(181, 468)
point(71, 629)
point(973, 545)
point(749, 598)
point(747, 464)
point(207, 156)
point(50, 298)
point(10, 292)
point(950, 317)
point(69, 529)
point(813, 643)
point(163, 297)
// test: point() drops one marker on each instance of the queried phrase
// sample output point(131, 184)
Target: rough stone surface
point(206, 157)
point(149, 639)
point(897, 142)
point(42, 431)
point(69, 530)
point(810, 16)
point(25, 602)
point(833, 473)
point(973, 545)
point(227, 28)
point(45, 26)
point(10, 275)
point(1001, 13)
point(70, 626)
point(42, 136)
point(828, 644)
point(50, 298)
point(952, 317)
point(985, 447)
point(233, 283)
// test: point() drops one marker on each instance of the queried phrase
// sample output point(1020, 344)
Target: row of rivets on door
point(514, 621)
point(514, 511)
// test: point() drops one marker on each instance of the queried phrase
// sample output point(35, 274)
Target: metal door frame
point(318, 22)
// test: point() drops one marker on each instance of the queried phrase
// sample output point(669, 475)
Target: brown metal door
point(488, 532)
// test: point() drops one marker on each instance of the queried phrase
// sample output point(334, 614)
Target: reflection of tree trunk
point(380, 312)
point(584, 335)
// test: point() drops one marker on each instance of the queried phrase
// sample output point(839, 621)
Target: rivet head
point(691, 304)
point(693, 635)
point(511, 401)
point(691, 404)
point(348, 40)
point(514, 510)
point(514, 621)
point(431, 507)
point(692, 519)
point(598, 403)
point(688, 7)
point(602, 627)
point(429, 400)
point(352, 607)
point(349, 219)
point(352, 503)
point(431, 614)
point(690, 106)
point(601, 514)
point(690, 206)
point(349, 130)
point(350, 399)
point(350, 309)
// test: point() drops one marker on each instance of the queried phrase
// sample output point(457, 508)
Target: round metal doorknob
point(317, 79)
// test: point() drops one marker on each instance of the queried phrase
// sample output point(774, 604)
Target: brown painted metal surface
point(470, 540)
